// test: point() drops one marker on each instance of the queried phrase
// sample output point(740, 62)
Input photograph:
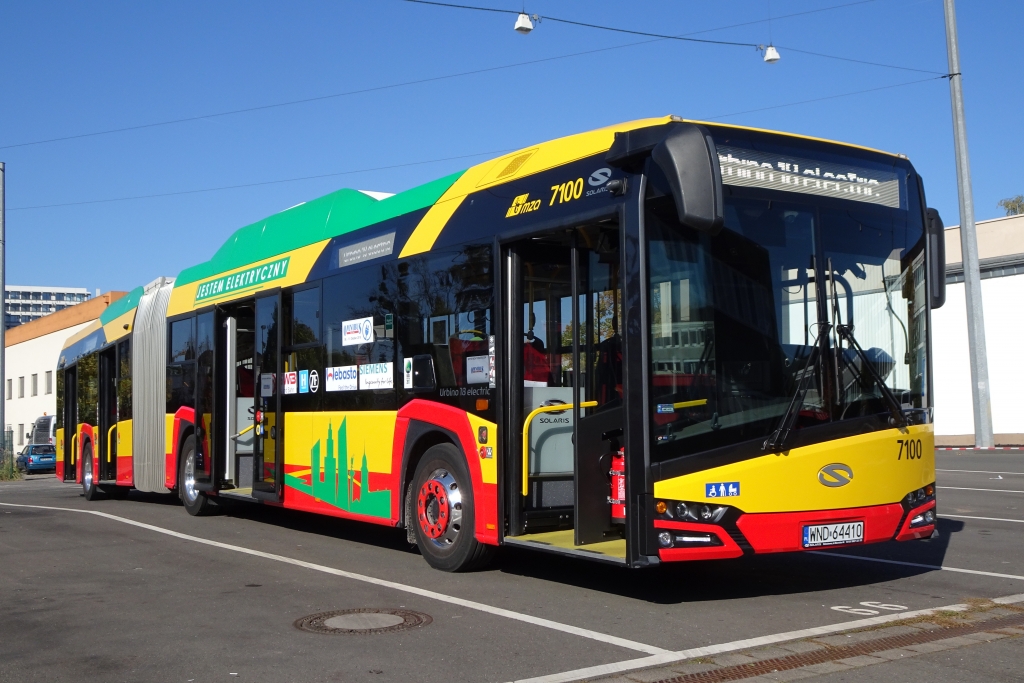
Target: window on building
point(60, 296)
point(10, 389)
point(49, 382)
point(46, 296)
point(21, 435)
point(21, 387)
point(37, 296)
point(35, 385)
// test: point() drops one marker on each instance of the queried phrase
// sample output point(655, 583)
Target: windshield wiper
point(899, 418)
point(781, 434)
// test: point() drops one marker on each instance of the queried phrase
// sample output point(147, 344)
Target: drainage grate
point(362, 621)
point(831, 654)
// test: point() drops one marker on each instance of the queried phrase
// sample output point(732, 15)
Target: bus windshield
point(747, 322)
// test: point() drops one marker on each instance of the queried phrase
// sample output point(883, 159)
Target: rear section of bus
point(789, 378)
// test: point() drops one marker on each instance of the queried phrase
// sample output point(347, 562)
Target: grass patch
point(8, 472)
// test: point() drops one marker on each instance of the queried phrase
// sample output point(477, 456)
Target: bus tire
point(443, 514)
point(196, 502)
point(89, 488)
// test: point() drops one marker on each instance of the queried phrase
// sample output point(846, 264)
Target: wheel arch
point(419, 438)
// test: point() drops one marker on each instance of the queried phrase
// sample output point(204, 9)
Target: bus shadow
point(746, 577)
point(675, 583)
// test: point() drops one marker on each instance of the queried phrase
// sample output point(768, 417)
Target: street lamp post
point(3, 327)
point(980, 388)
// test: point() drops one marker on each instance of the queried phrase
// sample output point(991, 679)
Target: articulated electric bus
point(660, 341)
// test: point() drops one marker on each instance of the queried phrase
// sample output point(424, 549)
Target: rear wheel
point(196, 502)
point(443, 514)
point(89, 488)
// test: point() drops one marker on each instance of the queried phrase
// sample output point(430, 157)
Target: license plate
point(45, 459)
point(818, 535)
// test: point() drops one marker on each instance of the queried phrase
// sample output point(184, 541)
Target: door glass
point(600, 322)
point(204, 396)
point(547, 372)
point(267, 351)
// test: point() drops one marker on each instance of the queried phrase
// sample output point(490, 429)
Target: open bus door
point(268, 442)
point(565, 375)
point(70, 454)
point(106, 437)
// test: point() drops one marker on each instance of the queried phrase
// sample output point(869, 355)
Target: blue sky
point(75, 68)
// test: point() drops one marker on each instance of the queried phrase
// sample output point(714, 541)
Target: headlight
point(665, 539)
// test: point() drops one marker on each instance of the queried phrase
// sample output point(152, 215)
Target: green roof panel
point(121, 306)
point(334, 214)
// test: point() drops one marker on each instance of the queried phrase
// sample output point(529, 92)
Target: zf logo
point(521, 204)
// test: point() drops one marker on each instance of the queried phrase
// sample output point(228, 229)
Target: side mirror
point(689, 159)
point(423, 378)
point(936, 251)
point(687, 156)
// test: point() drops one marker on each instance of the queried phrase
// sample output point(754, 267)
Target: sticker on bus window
point(267, 385)
point(407, 372)
point(478, 369)
point(291, 382)
point(359, 331)
point(343, 378)
point(377, 376)
point(303, 381)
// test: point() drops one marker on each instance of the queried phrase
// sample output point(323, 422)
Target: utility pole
point(980, 387)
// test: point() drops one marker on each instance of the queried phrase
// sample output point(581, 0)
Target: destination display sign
point(749, 168)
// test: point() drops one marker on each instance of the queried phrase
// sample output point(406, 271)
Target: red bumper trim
point(908, 534)
point(727, 550)
point(779, 532)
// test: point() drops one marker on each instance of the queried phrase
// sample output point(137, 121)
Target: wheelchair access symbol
point(726, 489)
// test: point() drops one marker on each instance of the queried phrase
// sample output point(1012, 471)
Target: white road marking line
point(441, 597)
point(644, 662)
point(960, 488)
point(981, 472)
point(922, 566)
point(987, 519)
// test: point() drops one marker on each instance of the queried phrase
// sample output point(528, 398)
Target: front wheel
point(443, 515)
point(89, 488)
point(196, 502)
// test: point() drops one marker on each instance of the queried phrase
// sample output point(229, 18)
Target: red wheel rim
point(433, 509)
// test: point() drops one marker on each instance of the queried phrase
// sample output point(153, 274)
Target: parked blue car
point(37, 458)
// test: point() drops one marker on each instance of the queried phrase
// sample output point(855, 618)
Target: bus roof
point(346, 210)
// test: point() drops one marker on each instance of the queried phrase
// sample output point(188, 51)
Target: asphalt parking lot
point(144, 592)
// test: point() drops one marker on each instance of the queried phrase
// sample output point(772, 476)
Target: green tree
point(1014, 206)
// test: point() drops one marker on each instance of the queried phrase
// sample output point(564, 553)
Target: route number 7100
point(911, 447)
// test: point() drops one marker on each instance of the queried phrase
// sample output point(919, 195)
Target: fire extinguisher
point(618, 488)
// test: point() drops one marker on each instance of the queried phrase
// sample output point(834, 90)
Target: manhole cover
point(362, 621)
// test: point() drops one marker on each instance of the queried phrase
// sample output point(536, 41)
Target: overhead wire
point(464, 156)
point(687, 36)
point(264, 182)
point(460, 74)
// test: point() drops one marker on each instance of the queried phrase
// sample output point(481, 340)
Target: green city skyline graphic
point(338, 485)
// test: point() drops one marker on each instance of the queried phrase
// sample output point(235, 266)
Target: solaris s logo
point(835, 475)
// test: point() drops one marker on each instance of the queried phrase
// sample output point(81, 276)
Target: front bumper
point(780, 532)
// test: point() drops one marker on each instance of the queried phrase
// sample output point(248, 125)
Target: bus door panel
point(268, 443)
point(239, 399)
point(598, 353)
point(71, 437)
point(107, 422)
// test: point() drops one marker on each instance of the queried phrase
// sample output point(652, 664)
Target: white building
point(30, 361)
point(1001, 252)
point(23, 303)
